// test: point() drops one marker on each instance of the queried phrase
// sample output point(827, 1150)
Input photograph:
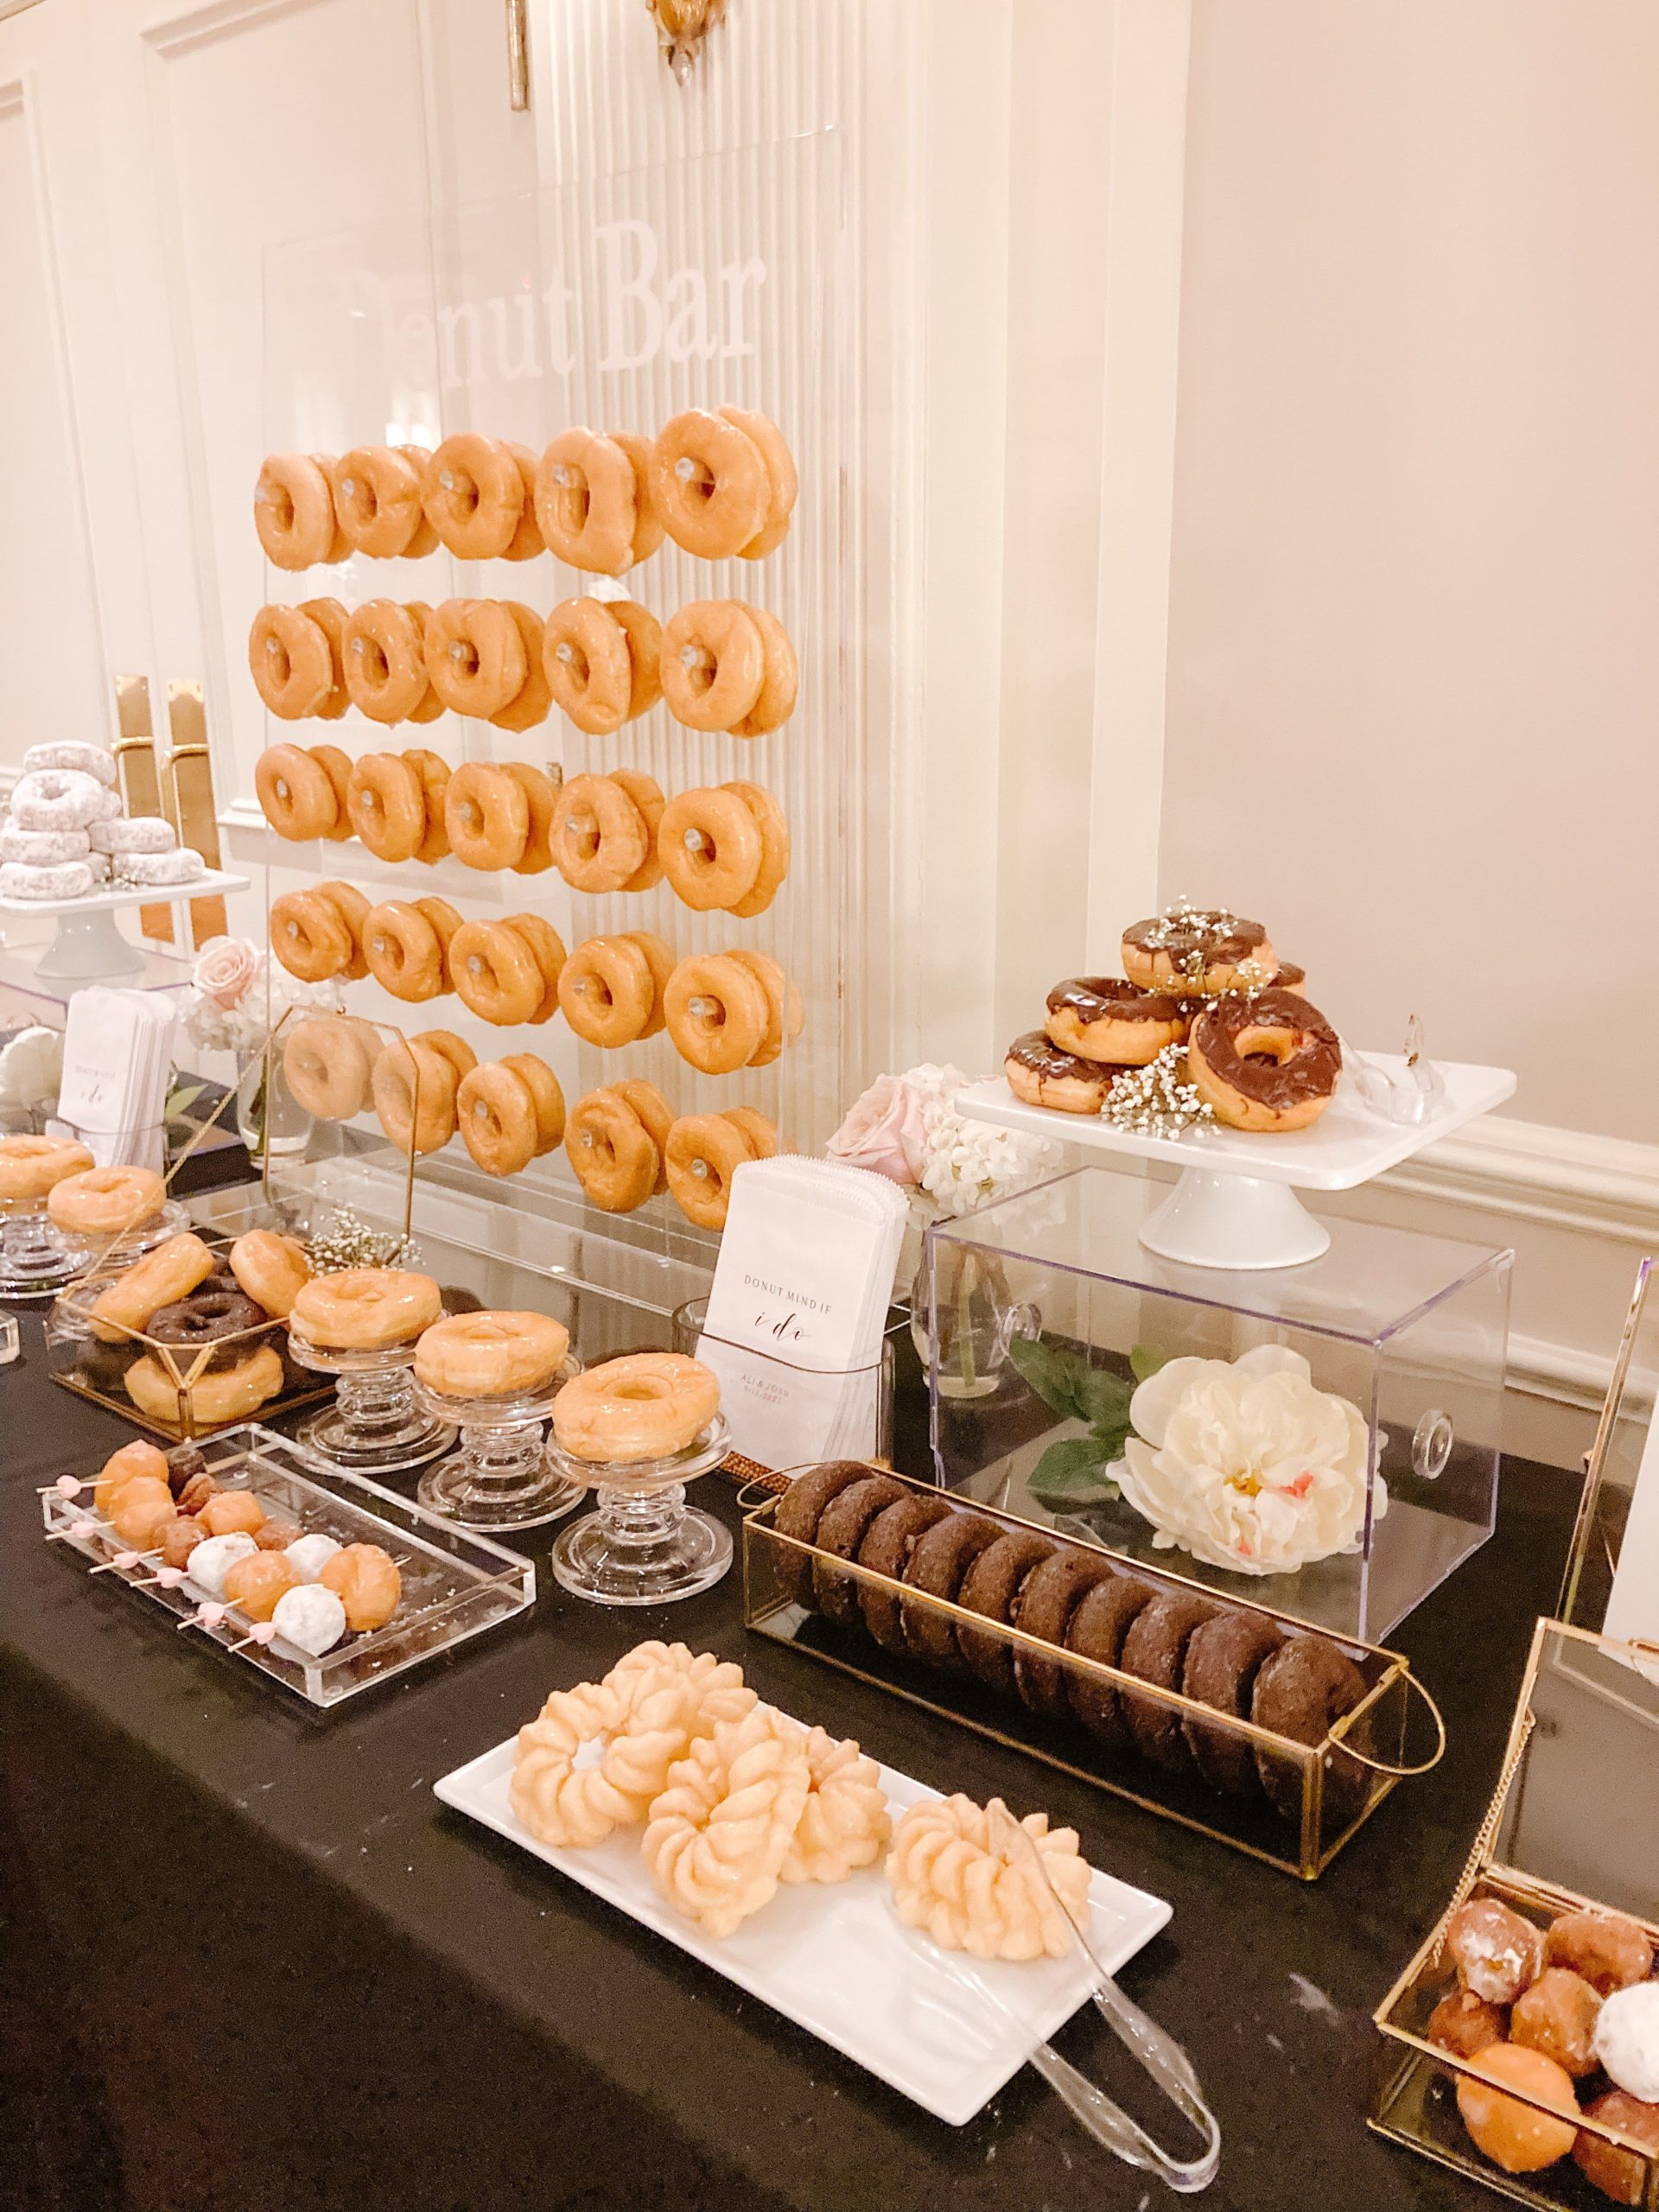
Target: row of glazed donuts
point(625, 1144)
point(725, 848)
point(719, 484)
point(721, 663)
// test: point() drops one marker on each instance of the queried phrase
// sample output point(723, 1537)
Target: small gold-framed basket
point(1293, 1804)
point(1572, 1826)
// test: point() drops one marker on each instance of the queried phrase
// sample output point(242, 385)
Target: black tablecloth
point(251, 1962)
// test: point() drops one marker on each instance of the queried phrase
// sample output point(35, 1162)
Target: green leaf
point(1104, 1397)
point(1110, 1436)
point(1054, 1375)
point(1145, 1360)
point(180, 1100)
point(1070, 1473)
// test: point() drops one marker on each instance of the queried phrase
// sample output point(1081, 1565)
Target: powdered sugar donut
point(100, 865)
point(108, 806)
point(69, 880)
point(44, 848)
point(182, 867)
point(86, 760)
point(56, 798)
point(137, 833)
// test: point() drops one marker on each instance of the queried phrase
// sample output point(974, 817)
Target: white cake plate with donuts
point(1235, 1203)
point(86, 947)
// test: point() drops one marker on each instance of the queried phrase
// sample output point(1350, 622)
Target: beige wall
point(1414, 653)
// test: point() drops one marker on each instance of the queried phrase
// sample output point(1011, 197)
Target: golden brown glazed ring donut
point(586, 502)
point(608, 992)
point(548, 946)
point(647, 795)
point(526, 541)
point(327, 1060)
point(376, 500)
point(710, 847)
point(644, 636)
point(294, 511)
point(704, 1152)
point(783, 484)
point(290, 662)
point(588, 665)
point(309, 937)
point(330, 618)
point(774, 825)
point(472, 494)
point(549, 1098)
point(786, 1016)
point(384, 661)
point(485, 815)
point(414, 1087)
point(708, 484)
point(530, 703)
point(599, 835)
point(779, 684)
point(716, 1009)
point(612, 1151)
point(654, 1110)
point(336, 765)
point(712, 663)
point(387, 806)
point(647, 522)
point(405, 952)
point(433, 772)
point(495, 973)
point(541, 799)
point(474, 657)
point(349, 903)
point(495, 1112)
point(296, 794)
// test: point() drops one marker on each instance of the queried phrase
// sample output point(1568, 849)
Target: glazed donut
point(703, 1152)
point(405, 954)
point(589, 664)
point(1197, 949)
point(67, 879)
point(328, 616)
point(712, 663)
point(309, 937)
point(530, 703)
point(182, 866)
point(599, 835)
point(762, 1134)
point(474, 496)
point(654, 1110)
point(46, 847)
point(709, 483)
point(225, 1393)
point(785, 1014)
point(783, 484)
point(1040, 1074)
point(780, 680)
point(526, 541)
point(647, 523)
point(774, 825)
point(291, 662)
point(297, 795)
point(105, 1201)
point(647, 795)
point(659, 958)
point(55, 799)
point(608, 992)
point(337, 767)
point(414, 1090)
point(548, 947)
point(717, 1013)
point(29, 1167)
point(169, 1271)
point(485, 817)
point(710, 847)
point(495, 1112)
point(327, 1060)
point(644, 636)
point(475, 658)
point(490, 1355)
point(384, 661)
point(647, 1405)
point(377, 492)
point(425, 539)
point(387, 806)
point(546, 1096)
point(541, 799)
point(586, 502)
point(70, 752)
point(1103, 1018)
point(612, 1151)
point(365, 1309)
point(433, 772)
point(1268, 1063)
point(364, 1579)
point(271, 1269)
point(459, 1053)
point(136, 833)
point(495, 973)
point(294, 511)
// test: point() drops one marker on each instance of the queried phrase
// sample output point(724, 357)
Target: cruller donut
point(1103, 1018)
point(709, 484)
point(472, 494)
point(1269, 1063)
point(377, 499)
point(294, 511)
point(710, 847)
point(712, 663)
point(475, 658)
point(599, 835)
point(384, 657)
point(717, 1013)
point(587, 501)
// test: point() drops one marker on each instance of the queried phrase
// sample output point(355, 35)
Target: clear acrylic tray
point(456, 1584)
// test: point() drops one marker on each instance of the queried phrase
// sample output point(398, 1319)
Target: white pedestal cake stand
point(1234, 1204)
point(86, 946)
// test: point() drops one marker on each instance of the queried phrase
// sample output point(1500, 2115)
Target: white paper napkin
point(117, 1059)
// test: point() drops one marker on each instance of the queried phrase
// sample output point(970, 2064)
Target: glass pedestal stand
point(36, 1258)
point(375, 1425)
point(644, 1546)
point(501, 1476)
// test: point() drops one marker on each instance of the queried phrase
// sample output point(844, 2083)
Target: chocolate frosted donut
point(842, 1528)
point(797, 1516)
point(1096, 1630)
point(886, 1549)
point(1052, 1594)
point(941, 1557)
point(1268, 1063)
point(1041, 1074)
point(1300, 1690)
point(208, 1316)
point(993, 1586)
point(1198, 948)
point(1155, 1651)
point(1222, 1662)
point(1103, 1018)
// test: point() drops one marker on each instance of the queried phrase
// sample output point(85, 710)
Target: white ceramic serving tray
point(148, 894)
point(837, 1959)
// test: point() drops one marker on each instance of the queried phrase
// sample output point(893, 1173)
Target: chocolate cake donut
point(1096, 1630)
point(1050, 1594)
point(886, 1547)
point(1104, 1018)
point(1300, 1690)
point(940, 1558)
point(1222, 1658)
point(841, 1528)
point(798, 1510)
point(1268, 1064)
point(993, 1586)
point(1155, 1651)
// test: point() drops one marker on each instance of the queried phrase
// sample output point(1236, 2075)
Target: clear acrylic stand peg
point(1408, 1100)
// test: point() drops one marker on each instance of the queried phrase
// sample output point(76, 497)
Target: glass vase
point(268, 1116)
point(976, 1318)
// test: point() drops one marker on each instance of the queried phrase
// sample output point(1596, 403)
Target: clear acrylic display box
point(1368, 1385)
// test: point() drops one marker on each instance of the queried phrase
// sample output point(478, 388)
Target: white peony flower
point(1246, 1466)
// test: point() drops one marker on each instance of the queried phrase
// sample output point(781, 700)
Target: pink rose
point(224, 968)
point(886, 1131)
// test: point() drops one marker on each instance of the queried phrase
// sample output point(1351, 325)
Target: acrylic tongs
point(1159, 2053)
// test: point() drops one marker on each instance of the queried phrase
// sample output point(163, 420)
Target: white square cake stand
point(86, 946)
point(1234, 1204)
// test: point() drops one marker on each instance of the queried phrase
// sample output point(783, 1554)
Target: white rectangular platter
point(1346, 1147)
point(838, 1961)
point(146, 894)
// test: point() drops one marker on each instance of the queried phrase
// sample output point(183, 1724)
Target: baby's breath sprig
point(350, 1242)
point(1157, 1100)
